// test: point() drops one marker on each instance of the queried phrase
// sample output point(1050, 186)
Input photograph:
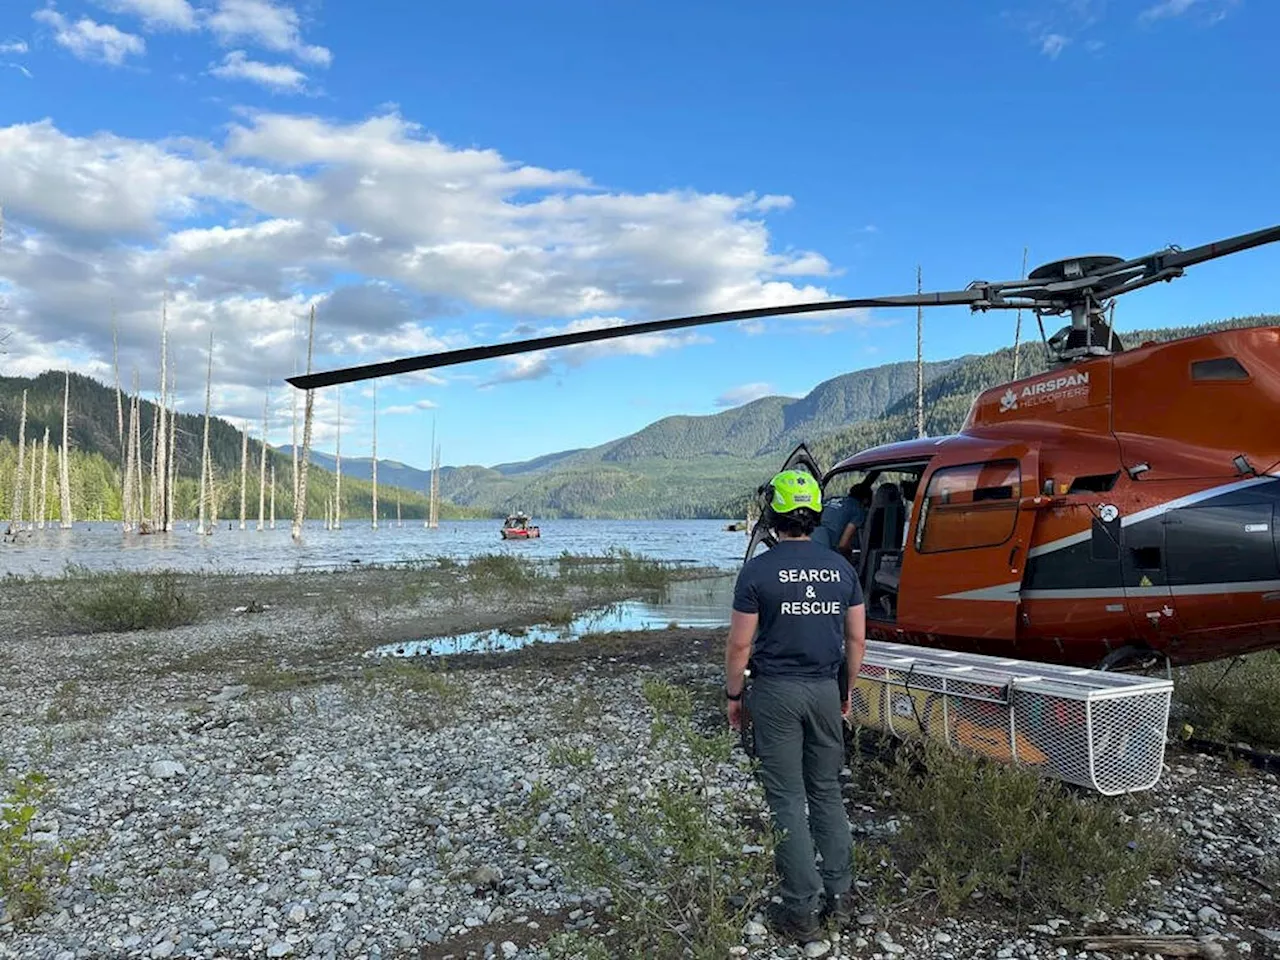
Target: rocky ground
point(253, 785)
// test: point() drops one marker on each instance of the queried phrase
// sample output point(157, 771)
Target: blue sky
point(431, 176)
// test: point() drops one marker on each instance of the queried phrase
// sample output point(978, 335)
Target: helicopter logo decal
point(1070, 385)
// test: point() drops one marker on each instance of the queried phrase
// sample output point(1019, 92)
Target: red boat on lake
point(517, 527)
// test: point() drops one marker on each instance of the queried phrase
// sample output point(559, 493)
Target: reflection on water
point(695, 603)
point(102, 546)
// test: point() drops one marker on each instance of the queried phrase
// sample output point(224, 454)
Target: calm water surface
point(102, 546)
point(692, 603)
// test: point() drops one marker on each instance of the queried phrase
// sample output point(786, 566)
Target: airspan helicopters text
point(811, 605)
point(1042, 391)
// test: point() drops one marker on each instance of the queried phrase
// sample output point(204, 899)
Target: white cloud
point(416, 407)
point(156, 14)
point(1166, 8)
point(737, 396)
point(88, 40)
point(277, 76)
point(250, 231)
point(273, 26)
point(1053, 44)
point(1214, 11)
point(13, 47)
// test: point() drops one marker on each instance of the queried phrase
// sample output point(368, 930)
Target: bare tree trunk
point(337, 493)
point(375, 454)
point(262, 470)
point(66, 454)
point(126, 507)
point(204, 453)
point(273, 496)
point(44, 481)
point(300, 508)
point(31, 489)
point(17, 506)
point(161, 505)
point(172, 483)
point(155, 466)
point(244, 471)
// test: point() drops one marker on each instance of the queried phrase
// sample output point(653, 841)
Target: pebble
point(817, 948)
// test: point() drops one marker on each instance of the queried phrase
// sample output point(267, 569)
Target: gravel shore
point(253, 785)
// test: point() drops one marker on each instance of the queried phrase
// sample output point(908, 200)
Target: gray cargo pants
point(799, 740)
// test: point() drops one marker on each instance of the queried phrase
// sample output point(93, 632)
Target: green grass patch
point(973, 830)
point(1235, 702)
point(117, 602)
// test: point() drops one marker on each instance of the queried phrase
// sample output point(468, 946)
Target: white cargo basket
point(1106, 731)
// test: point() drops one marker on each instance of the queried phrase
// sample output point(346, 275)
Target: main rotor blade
point(470, 354)
point(1211, 251)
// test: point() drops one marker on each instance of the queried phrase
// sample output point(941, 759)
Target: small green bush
point(119, 602)
point(27, 868)
point(1233, 703)
point(973, 825)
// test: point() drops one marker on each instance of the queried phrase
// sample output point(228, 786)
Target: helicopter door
point(799, 459)
point(967, 550)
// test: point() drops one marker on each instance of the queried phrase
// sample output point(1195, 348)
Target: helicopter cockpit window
point(1219, 368)
point(968, 506)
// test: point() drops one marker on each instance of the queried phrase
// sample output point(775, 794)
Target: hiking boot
point(839, 909)
point(787, 923)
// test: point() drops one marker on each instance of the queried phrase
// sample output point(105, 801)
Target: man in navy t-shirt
point(806, 604)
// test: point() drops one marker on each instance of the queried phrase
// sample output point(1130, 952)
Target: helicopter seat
point(881, 540)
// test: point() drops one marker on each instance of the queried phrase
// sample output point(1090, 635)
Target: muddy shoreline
point(252, 785)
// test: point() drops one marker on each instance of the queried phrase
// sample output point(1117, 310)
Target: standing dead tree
point(66, 454)
point(205, 489)
point(300, 505)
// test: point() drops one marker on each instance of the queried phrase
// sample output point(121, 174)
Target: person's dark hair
point(797, 523)
point(861, 491)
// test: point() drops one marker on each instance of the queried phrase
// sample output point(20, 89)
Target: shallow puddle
point(693, 603)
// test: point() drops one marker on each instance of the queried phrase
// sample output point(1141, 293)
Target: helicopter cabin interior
point(965, 506)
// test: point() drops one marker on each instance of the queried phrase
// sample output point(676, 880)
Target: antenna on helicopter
point(1083, 287)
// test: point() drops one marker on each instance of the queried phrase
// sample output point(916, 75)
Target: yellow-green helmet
point(795, 490)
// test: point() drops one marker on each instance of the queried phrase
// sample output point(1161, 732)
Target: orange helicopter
point(1119, 510)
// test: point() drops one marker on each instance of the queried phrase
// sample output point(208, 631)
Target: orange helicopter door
point(967, 550)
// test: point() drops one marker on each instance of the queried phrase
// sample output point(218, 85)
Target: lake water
point(692, 603)
point(102, 546)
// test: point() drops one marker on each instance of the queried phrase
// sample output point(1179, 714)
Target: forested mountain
point(96, 463)
point(687, 466)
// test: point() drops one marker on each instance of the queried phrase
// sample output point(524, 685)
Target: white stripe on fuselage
point(1157, 510)
point(1009, 592)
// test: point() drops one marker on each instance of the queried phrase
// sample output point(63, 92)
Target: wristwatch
point(733, 696)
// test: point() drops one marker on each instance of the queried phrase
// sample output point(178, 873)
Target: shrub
point(27, 867)
point(973, 825)
point(1233, 702)
point(118, 602)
